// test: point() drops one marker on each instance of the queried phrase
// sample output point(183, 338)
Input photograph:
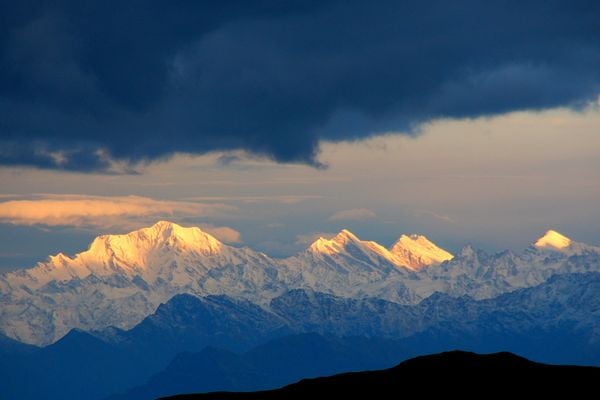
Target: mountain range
point(121, 279)
point(169, 309)
point(194, 344)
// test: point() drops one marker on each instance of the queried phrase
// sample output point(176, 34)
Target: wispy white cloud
point(283, 199)
point(123, 212)
point(223, 233)
point(354, 214)
point(435, 215)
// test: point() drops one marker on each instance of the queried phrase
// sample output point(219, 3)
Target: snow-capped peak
point(345, 236)
point(416, 252)
point(163, 234)
point(467, 252)
point(552, 240)
point(345, 242)
point(132, 252)
point(123, 278)
point(334, 245)
point(192, 238)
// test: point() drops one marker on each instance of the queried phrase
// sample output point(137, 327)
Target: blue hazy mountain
point(11, 346)
point(556, 322)
point(95, 365)
point(242, 345)
point(189, 323)
point(271, 365)
point(553, 322)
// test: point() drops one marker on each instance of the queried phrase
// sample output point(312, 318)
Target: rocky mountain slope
point(555, 322)
point(121, 279)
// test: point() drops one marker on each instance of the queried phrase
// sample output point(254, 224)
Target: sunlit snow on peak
point(334, 245)
point(553, 240)
point(410, 251)
point(416, 252)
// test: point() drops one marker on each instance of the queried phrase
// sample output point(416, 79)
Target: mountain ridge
point(121, 279)
point(554, 322)
point(557, 242)
point(418, 252)
point(445, 368)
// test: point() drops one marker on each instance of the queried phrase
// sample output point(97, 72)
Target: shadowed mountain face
point(11, 346)
point(93, 366)
point(274, 364)
point(521, 321)
point(450, 373)
point(250, 347)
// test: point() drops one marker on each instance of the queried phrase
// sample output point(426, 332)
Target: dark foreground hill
point(451, 373)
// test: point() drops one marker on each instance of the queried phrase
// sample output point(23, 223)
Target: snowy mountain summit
point(121, 279)
point(135, 253)
point(417, 252)
point(413, 252)
point(554, 241)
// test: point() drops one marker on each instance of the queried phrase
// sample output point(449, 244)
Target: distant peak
point(345, 236)
point(416, 251)
point(161, 225)
point(334, 245)
point(415, 238)
point(467, 251)
point(168, 227)
point(169, 231)
point(136, 245)
point(553, 240)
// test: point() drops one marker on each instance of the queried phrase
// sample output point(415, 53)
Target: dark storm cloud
point(84, 83)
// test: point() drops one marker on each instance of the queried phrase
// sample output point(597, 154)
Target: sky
point(270, 123)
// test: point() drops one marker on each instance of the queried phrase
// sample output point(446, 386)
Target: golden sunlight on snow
point(553, 240)
point(413, 252)
point(417, 251)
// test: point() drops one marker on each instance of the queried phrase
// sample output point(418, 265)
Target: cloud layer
point(223, 233)
point(116, 212)
point(354, 214)
point(85, 86)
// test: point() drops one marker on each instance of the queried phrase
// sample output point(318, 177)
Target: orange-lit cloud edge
point(111, 212)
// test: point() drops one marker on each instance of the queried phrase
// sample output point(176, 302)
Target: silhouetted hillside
point(450, 373)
